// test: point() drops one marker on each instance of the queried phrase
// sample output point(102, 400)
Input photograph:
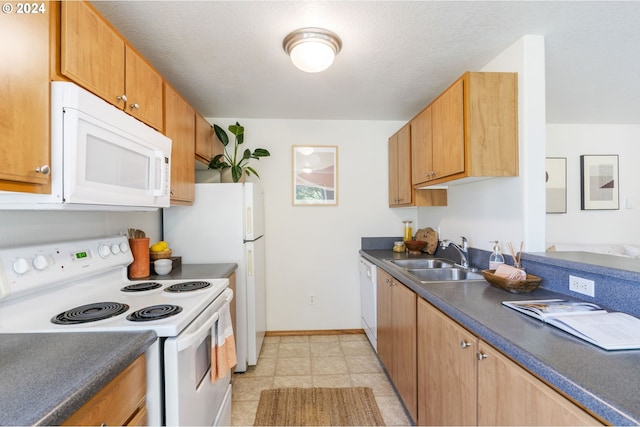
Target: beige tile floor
point(315, 361)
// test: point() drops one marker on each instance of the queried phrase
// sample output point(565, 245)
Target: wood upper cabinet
point(119, 403)
point(143, 87)
point(474, 131)
point(24, 106)
point(94, 55)
point(401, 191)
point(207, 145)
point(180, 126)
point(400, 168)
point(396, 332)
point(464, 381)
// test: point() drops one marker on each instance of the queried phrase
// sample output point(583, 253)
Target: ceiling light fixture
point(312, 49)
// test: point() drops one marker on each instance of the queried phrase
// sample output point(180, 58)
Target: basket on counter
point(159, 255)
point(510, 285)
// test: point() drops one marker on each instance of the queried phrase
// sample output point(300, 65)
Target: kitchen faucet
point(462, 250)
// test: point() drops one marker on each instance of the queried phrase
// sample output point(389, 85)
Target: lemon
point(156, 247)
point(163, 244)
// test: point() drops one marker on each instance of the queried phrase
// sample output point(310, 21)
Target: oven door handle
point(197, 336)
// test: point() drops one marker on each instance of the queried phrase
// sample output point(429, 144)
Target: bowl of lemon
point(159, 250)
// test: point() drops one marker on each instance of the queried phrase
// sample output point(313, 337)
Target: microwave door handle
point(161, 172)
point(197, 336)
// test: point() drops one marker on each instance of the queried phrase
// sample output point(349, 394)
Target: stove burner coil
point(154, 312)
point(140, 287)
point(188, 286)
point(90, 313)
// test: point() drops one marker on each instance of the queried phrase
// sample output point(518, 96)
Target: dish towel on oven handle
point(223, 351)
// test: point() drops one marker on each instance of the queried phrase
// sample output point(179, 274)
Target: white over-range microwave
point(101, 158)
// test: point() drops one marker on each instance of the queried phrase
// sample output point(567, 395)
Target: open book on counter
point(587, 321)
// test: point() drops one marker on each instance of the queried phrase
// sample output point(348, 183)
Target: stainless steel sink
point(422, 263)
point(444, 274)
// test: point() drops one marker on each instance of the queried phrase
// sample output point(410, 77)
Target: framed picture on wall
point(599, 182)
point(315, 175)
point(556, 184)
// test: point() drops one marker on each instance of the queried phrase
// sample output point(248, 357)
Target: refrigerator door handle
point(250, 263)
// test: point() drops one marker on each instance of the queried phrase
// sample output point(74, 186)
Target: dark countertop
point(604, 382)
point(45, 378)
point(197, 271)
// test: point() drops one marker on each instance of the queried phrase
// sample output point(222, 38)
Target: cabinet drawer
point(119, 402)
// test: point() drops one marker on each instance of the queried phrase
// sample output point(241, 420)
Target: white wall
point(314, 249)
point(506, 209)
point(596, 226)
point(31, 227)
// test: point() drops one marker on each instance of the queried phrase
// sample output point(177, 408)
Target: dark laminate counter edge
point(197, 271)
point(46, 377)
point(605, 383)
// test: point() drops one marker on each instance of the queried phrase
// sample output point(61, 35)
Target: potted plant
point(237, 163)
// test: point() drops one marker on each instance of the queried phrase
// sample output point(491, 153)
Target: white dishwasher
point(368, 300)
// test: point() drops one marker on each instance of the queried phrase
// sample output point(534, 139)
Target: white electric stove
point(82, 286)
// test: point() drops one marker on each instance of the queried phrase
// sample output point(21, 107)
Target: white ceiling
point(226, 57)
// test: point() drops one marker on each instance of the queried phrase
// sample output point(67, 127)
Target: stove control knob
point(21, 266)
point(124, 248)
point(40, 262)
point(104, 250)
point(115, 249)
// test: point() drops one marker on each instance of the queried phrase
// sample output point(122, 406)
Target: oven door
point(190, 396)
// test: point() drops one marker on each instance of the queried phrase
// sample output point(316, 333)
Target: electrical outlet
point(312, 299)
point(582, 286)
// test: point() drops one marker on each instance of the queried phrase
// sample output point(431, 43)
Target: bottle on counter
point(407, 230)
point(496, 258)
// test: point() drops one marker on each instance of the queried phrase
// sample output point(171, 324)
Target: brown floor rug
point(349, 406)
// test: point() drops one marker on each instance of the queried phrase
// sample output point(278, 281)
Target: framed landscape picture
point(315, 175)
point(599, 182)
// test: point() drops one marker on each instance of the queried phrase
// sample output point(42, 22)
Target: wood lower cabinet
point(94, 55)
point(24, 106)
point(464, 381)
point(396, 330)
point(180, 126)
point(469, 132)
point(119, 403)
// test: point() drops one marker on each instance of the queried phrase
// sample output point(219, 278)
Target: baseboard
point(314, 332)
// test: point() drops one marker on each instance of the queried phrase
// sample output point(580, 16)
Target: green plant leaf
point(246, 155)
point(260, 152)
point(221, 134)
point(236, 173)
point(249, 168)
point(216, 163)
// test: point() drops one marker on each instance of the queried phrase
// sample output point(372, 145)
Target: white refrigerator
point(226, 224)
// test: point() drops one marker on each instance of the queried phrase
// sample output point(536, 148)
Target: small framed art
point(599, 182)
point(315, 175)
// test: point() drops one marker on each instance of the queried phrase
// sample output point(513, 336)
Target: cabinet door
point(384, 319)
point(207, 145)
point(509, 395)
point(448, 131)
point(143, 87)
point(92, 53)
point(404, 166)
point(24, 109)
point(404, 332)
point(393, 170)
point(446, 370)
point(180, 127)
point(421, 147)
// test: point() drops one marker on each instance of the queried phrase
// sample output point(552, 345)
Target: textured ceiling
point(226, 57)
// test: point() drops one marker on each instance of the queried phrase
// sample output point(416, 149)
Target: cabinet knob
point(480, 355)
point(122, 98)
point(465, 344)
point(45, 169)
point(134, 106)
